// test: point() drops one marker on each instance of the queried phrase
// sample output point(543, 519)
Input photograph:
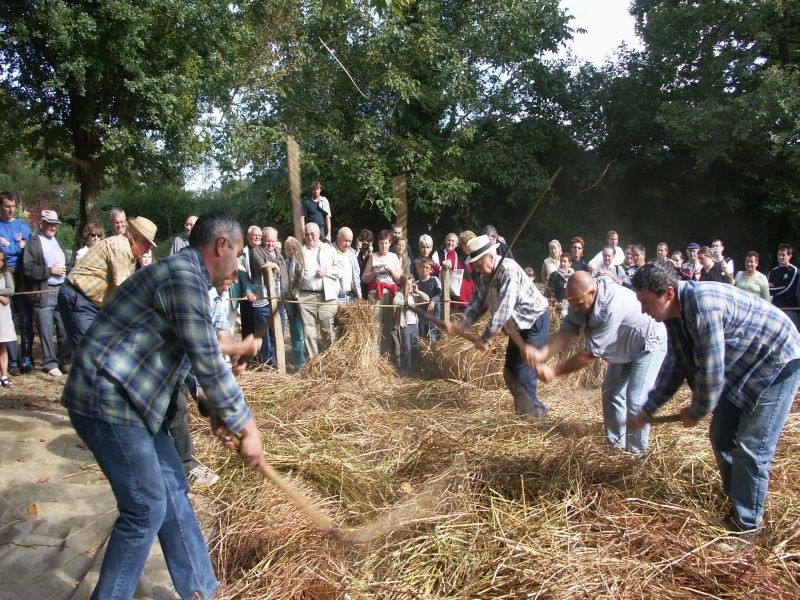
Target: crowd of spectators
point(311, 278)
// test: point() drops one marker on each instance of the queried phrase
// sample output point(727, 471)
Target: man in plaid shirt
point(148, 335)
point(513, 297)
point(741, 358)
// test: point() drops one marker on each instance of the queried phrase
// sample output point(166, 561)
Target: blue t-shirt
point(9, 230)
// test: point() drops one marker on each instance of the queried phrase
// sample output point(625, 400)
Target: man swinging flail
point(506, 290)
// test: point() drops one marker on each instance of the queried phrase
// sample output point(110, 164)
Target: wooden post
point(400, 193)
point(445, 295)
point(278, 324)
point(293, 161)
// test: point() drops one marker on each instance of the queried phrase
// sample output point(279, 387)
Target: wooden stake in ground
point(293, 160)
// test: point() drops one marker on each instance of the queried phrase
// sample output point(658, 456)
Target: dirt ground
point(56, 508)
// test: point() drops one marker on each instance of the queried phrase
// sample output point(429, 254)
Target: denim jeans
point(267, 353)
point(744, 444)
point(21, 307)
point(147, 479)
point(409, 355)
point(77, 312)
point(519, 376)
point(296, 336)
point(624, 392)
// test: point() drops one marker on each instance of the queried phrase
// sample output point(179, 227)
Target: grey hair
point(117, 212)
point(655, 277)
point(554, 244)
point(253, 229)
point(270, 230)
point(313, 225)
point(213, 225)
point(426, 239)
point(490, 230)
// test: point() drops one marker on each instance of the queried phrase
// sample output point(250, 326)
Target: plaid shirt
point(513, 296)
point(727, 342)
point(141, 346)
point(103, 268)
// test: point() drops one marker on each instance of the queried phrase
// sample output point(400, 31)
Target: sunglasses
point(97, 235)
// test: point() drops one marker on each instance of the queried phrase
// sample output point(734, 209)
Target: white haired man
point(345, 266)
point(313, 277)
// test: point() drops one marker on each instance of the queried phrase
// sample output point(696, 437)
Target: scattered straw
point(491, 506)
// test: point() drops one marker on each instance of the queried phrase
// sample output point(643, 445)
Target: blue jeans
point(744, 444)
point(22, 308)
point(519, 376)
point(147, 479)
point(267, 353)
point(77, 312)
point(296, 336)
point(624, 392)
point(409, 354)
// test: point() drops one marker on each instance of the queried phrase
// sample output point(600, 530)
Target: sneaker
point(55, 372)
point(202, 475)
point(27, 365)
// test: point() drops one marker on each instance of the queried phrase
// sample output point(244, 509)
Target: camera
point(364, 246)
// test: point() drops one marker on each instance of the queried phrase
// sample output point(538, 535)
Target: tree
point(730, 94)
point(112, 87)
point(437, 94)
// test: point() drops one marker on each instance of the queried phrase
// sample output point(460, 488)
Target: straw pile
point(504, 508)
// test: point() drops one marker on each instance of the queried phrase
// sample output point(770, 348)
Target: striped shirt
point(726, 343)
point(142, 345)
point(513, 296)
point(103, 268)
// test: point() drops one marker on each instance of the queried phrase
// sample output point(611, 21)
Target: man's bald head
point(580, 283)
point(581, 291)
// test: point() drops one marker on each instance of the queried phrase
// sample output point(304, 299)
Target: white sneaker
point(202, 475)
point(55, 372)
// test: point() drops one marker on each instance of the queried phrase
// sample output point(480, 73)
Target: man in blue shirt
point(14, 235)
point(149, 334)
point(741, 358)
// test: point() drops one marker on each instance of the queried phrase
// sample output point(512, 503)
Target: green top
point(755, 284)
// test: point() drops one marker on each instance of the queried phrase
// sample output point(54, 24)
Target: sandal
point(5, 382)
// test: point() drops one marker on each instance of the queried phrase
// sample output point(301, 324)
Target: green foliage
point(422, 94)
point(167, 207)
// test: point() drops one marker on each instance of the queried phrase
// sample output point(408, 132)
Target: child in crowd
point(430, 286)
point(400, 247)
point(7, 331)
point(407, 297)
point(557, 284)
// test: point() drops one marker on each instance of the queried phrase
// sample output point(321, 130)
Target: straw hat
point(50, 216)
point(144, 227)
point(478, 246)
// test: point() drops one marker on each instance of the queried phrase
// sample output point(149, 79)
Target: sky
point(607, 24)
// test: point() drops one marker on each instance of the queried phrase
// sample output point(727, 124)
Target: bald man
point(633, 345)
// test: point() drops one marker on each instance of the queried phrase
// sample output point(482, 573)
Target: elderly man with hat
point(505, 289)
point(44, 263)
point(101, 270)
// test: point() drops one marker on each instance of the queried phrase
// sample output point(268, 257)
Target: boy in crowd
point(407, 297)
point(429, 284)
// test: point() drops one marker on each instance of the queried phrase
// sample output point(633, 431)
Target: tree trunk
point(90, 176)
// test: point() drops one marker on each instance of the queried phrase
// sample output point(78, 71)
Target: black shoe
point(26, 366)
point(13, 371)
